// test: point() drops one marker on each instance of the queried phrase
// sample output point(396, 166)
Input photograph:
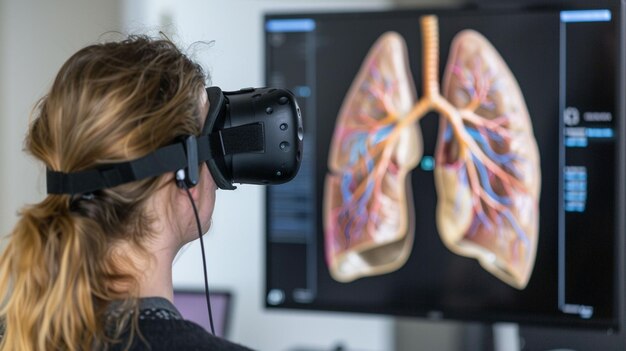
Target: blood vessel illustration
point(367, 200)
point(487, 205)
point(487, 171)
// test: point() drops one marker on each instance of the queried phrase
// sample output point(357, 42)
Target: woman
point(94, 271)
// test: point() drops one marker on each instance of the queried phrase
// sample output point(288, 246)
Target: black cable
point(206, 281)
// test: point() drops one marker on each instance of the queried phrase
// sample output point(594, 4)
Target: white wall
point(235, 243)
point(4, 36)
point(37, 36)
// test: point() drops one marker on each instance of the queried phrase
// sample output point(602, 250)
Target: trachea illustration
point(487, 171)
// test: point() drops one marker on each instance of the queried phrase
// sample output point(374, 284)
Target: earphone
point(180, 178)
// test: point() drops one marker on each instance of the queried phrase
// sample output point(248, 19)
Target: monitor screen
point(192, 306)
point(458, 163)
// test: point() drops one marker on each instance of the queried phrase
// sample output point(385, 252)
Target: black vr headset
point(250, 136)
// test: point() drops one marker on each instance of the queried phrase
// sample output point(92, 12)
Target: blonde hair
point(109, 103)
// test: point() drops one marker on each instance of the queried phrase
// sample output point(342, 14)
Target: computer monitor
point(458, 163)
point(192, 306)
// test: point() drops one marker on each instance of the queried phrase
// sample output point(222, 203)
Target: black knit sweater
point(163, 328)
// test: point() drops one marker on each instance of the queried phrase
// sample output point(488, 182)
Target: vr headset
point(250, 136)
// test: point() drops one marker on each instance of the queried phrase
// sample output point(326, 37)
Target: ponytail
point(45, 275)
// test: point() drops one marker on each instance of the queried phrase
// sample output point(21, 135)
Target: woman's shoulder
point(178, 334)
point(161, 327)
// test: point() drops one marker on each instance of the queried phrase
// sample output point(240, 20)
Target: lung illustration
point(487, 170)
point(368, 205)
point(488, 198)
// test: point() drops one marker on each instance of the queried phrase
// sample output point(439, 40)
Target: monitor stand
point(415, 334)
point(506, 337)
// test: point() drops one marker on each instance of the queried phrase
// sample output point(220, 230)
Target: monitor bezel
point(618, 7)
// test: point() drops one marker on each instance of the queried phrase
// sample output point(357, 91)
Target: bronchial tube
point(368, 208)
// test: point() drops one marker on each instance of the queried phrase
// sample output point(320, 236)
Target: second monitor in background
point(192, 305)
